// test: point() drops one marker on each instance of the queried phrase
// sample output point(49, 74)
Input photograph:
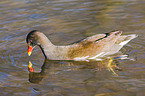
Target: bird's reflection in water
point(54, 66)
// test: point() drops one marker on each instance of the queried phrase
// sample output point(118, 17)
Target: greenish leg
point(109, 66)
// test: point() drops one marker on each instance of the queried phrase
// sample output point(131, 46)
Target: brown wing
point(94, 37)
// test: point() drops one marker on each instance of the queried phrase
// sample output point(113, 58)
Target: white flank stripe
point(81, 58)
point(97, 55)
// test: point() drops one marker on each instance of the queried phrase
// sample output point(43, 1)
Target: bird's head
point(32, 41)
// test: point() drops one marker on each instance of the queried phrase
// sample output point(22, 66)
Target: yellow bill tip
point(29, 53)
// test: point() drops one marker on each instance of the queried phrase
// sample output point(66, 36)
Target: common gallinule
point(92, 47)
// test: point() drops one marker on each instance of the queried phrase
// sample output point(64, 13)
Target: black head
point(32, 38)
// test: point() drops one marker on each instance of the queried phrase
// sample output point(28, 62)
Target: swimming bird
point(93, 47)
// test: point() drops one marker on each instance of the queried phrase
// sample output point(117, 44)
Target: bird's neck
point(49, 50)
point(45, 45)
point(44, 41)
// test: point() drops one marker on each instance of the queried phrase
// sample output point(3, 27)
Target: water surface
point(64, 22)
